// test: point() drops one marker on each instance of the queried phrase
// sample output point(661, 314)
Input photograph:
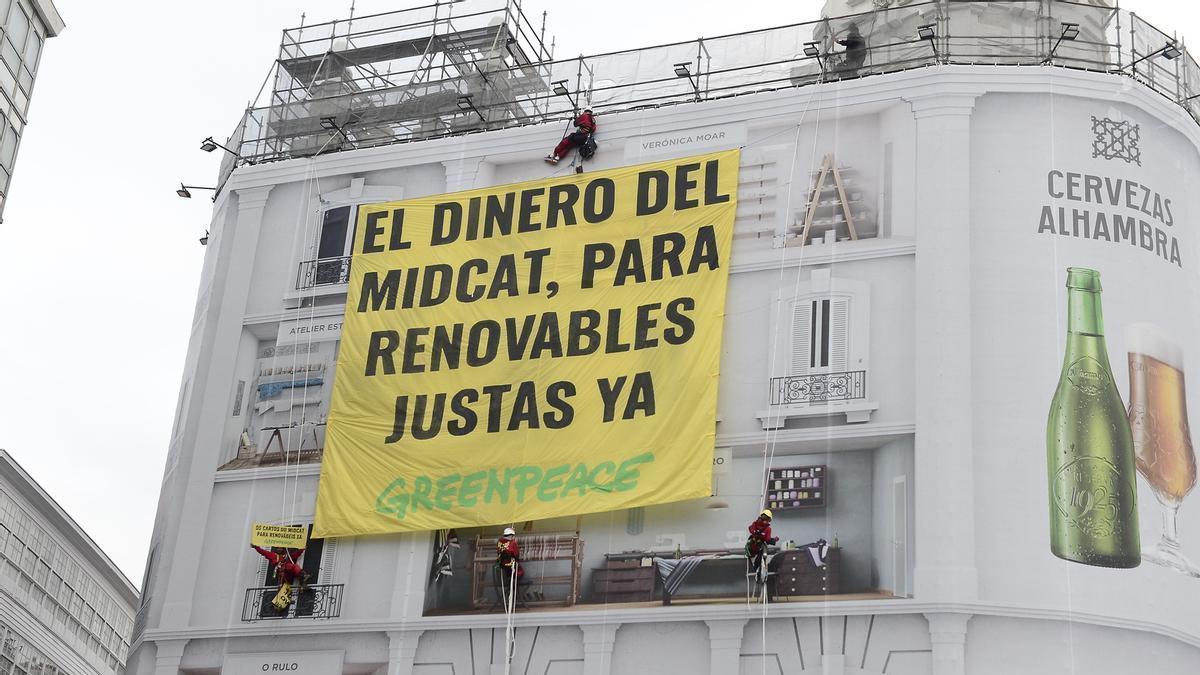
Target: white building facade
point(64, 606)
point(25, 25)
point(894, 327)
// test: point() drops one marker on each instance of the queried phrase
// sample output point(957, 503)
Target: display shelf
point(799, 487)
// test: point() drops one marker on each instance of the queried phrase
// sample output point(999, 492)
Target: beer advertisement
point(1084, 280)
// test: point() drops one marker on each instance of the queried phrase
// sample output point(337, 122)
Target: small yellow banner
point(532, 350)
point(283, 536)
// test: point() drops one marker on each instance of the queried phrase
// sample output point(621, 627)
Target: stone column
point(725, 644)
point(598, 642)
point(948, 636)
point(945, 540)
point(402, 651)
point(205, 418)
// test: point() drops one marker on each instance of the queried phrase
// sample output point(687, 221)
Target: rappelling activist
point(287, 572)
point(508, 562)
point(585, 127)
point(760, 538)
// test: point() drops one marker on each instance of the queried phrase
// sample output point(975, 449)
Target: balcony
point(323, 272)
point(316, 601)
point(818, 395)
point(819, 388)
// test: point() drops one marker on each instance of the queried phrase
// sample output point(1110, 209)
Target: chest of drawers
point(796, 574)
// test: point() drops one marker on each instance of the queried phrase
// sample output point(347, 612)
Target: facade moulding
point(265, 473)
point(725, 644)
point(816, 254)
point(823, 434)
point(948, 637)
point(402, 651)
point(598, 640)
point(696, 613)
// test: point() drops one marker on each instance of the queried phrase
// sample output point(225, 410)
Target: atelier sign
point(314, 329)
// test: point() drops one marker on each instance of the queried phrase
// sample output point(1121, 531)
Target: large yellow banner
point(529, 351)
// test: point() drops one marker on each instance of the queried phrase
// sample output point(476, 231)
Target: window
point(33, 50)
point(333, 248)
point(820, 335)
point(18, 26)
point(335, 233)
point(8, 148)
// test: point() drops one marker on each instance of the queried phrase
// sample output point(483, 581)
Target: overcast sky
point(99, 259)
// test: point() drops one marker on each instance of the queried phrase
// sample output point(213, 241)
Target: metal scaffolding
point(461, 66)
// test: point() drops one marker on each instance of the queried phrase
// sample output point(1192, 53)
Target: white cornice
point(848, 432)
point(292, 314)
point(759, 260)
point(263, 473)
point(675, 613)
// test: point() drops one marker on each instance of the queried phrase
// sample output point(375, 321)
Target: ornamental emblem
point(1117, 140)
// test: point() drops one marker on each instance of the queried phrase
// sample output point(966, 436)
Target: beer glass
point(1162, 441)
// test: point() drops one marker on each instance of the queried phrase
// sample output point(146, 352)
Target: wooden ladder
point(828, 168)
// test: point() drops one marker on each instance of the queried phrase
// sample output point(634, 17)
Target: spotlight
point(204, 239)
point(684, 70)
point(560, 89)
point(329, 124)
point(1070, 31)
point(810, 49)
point(1169, 52)
point(208, 145)
point(185, 191)
point(928, 33)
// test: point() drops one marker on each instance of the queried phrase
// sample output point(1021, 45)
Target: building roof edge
point(50, 16)
point(10, 467)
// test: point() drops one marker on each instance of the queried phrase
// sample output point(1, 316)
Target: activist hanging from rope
point(582, 138)
point(286, 569)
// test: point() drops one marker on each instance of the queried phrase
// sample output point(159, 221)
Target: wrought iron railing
point(499, 90)
point(323, 272)
point(819, 388)
point(315, 601)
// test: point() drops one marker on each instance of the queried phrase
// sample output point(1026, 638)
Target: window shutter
point(264, 571)
point(802, 335)
point(328, 558)
point(839, 334)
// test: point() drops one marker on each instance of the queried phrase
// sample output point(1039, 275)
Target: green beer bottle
point(1089, 445)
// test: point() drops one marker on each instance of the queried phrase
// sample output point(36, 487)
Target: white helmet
point(509, 532)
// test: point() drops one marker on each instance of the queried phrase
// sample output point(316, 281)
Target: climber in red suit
point(585, 125)
point(286, 571)
point(760, 538)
